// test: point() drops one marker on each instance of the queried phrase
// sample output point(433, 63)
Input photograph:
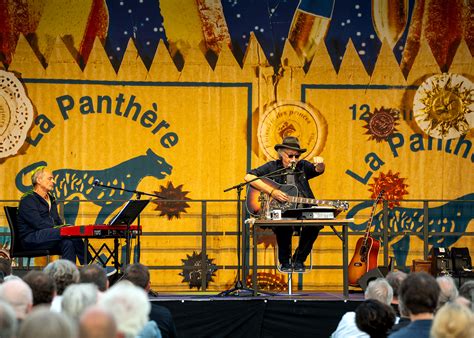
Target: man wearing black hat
point(298, 174)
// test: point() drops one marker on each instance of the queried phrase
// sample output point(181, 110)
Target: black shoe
point(299, 267)
point(286, 267)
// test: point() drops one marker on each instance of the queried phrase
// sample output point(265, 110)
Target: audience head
point(95, 274)
point(18, 294)
point(129, 305)
point(395, 279)
point(42, 323)
point(5, 268)
point(10, 277)
point(380, 290)
point(8, 322)
point(96, 322)
point(463, 301)
point(139, 275)
point(77, 298)
point(448, 290)
point(419, 293)
point(467, 291)
point(42, 286)
point(374, 318)
point(453, 320)
point(63, 272)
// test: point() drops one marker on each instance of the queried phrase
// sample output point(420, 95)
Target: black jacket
point(304, 171)
point(34, 215)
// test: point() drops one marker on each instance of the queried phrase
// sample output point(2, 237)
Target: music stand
point(126, 216)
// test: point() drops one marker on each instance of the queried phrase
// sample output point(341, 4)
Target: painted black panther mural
point(73, 183)
point(453, 216)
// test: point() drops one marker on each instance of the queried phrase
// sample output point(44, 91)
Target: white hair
point(19, 295)
point(37, 174)
point(77, 298)
point(129, 305)
point(449, 291)
point(380, 290)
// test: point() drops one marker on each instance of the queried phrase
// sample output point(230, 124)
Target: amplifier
point(441, 262)
point(461, 259)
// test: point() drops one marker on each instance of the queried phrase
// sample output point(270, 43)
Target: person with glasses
point(298, 172)
point(39, 220)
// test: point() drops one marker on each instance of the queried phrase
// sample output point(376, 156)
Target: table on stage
point(342, 222)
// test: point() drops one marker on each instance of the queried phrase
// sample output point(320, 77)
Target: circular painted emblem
point(16, 114)
point(292, 118)
point(444, 106)
point(382, 123)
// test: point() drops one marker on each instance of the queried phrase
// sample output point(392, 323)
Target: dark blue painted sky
point(270, 20)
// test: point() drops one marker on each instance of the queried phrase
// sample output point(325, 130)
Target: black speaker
point(441, 262)
point(371, 275)
point(461, 259)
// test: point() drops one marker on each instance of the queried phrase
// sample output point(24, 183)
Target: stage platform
point(244, 315)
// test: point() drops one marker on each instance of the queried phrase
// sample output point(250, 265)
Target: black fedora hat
point(290, 142)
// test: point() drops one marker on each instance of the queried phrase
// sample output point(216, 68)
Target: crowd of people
point(64, 301)
point(412, 305)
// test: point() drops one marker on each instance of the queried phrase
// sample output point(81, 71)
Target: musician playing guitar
point(297, 173)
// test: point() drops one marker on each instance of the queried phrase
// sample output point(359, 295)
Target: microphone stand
point(239, 285)
point(128, 232)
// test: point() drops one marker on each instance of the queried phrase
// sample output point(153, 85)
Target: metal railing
point(207, 218)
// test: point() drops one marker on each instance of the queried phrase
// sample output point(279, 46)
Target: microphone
point(292, 166)
point(95, 183)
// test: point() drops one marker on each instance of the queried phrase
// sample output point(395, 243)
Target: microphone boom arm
point(137, 192)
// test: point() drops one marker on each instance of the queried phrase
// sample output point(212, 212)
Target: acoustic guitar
point(257, 201)
point(366, 251)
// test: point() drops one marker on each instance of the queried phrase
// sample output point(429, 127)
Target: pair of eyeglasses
point(293, 155)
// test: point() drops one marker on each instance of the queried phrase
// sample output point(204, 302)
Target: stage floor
point(300, 295)
point(244, 315)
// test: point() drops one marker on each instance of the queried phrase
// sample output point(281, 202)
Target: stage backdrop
point(182, 98)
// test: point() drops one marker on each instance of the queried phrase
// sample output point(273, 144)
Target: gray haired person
point(378, 289)
point(130, 307)
point(448, 290)
point(77, 298)
point(8, 322)
point(64, 273)
point(42, 323)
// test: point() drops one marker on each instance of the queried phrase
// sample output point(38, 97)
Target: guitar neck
point(305, 200)
point(372, 213)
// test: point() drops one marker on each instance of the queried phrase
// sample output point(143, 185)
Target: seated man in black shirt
point(298, 173)
point(38, 220)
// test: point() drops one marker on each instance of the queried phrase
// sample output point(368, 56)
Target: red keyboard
point(99, 231)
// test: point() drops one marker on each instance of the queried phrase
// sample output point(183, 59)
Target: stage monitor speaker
point(371, 275)
point(441, 262)
point(461, 259)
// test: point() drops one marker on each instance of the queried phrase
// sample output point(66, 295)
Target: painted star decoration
point(173, 202)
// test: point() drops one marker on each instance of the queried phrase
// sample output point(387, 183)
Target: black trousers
point(50, 239)
point(284, 234)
